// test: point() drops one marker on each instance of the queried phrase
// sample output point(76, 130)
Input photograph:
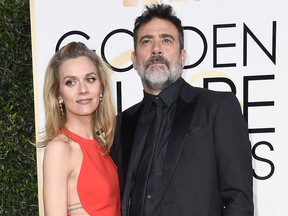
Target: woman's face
point(79, 87)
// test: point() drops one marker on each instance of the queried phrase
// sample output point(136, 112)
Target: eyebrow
point(91, 73)
point(164, 35)
point(73, 77)
point(145, 37)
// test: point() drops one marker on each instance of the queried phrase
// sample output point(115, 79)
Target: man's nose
point(157, 50)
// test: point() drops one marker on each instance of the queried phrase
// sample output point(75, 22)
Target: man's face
point(158, 58)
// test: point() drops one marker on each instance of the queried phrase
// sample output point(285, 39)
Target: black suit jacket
point(208, 167)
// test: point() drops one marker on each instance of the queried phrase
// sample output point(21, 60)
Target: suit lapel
point(182, 120)
point(136, 145)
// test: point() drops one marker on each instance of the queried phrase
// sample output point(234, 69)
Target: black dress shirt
point(154, 190)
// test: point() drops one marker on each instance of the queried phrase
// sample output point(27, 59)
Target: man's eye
point(145, 41)
point(166, 40)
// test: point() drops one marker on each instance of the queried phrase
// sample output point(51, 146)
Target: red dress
point(98, 185)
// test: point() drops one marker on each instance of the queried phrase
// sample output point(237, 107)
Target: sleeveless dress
point(98, 185)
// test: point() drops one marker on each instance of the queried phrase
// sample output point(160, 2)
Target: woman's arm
point(55, 177)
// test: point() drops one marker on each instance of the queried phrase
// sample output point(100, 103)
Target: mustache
point(156, 58)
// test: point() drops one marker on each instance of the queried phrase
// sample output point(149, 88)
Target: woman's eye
point(91, 79)
point(70, 82)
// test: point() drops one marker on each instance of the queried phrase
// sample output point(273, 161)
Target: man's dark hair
point(162, 11)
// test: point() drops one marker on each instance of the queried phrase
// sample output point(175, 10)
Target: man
point(201, 162)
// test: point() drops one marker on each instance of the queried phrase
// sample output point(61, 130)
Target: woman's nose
point(83, 88)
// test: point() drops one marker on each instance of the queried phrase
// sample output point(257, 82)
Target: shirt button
point(149, 196)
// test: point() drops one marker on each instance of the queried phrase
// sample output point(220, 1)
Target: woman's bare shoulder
point(59, 145)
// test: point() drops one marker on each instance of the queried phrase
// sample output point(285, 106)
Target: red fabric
point(98, 185)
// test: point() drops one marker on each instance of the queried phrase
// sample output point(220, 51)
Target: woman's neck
point(82, 126)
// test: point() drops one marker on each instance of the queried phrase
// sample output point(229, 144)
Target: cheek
point(66, 94)
point(142, 57)
point(96, 90)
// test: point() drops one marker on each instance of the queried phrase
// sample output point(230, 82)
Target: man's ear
point(183, 57)
point(133, 58)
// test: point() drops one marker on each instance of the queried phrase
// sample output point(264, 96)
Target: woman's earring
point(61, 104)
point(101, 98)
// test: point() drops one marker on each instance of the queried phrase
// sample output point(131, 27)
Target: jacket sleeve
point(234, 160)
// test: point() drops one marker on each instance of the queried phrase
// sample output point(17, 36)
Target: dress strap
point(73, 207)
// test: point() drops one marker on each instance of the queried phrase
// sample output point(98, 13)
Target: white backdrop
point(231, 45)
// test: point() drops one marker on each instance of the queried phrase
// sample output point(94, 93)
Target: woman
point(79, 176)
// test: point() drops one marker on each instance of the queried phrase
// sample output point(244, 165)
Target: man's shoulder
point(204, 93)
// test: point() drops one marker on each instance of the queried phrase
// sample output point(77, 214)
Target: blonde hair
point(104, 118)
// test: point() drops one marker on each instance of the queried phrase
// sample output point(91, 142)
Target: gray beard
point(158, 78)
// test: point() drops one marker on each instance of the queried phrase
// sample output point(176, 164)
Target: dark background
point(18, 167)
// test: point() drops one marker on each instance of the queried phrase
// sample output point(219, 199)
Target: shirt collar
point(168, 95)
